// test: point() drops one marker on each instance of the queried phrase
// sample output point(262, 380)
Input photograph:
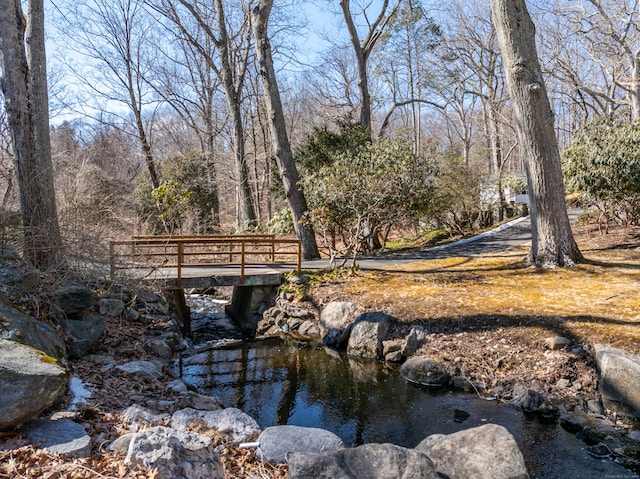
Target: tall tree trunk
point(284, 156)
point(552, 240)
point(24, 85)
point(233, 96)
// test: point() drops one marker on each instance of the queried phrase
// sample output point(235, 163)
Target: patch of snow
point(79, 394)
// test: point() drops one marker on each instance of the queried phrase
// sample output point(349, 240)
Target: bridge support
point(245, 304)
point(176, 296)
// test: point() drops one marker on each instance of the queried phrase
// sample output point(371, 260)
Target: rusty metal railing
point(204, 251)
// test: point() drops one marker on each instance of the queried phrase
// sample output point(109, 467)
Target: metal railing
point(180, 252)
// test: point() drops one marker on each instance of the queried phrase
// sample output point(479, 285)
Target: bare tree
point(24, 85)
point(552, 240)
point(113, 36)
point(284, 156)
point(363, 48)
point(184, 79)
point(611, 30)
point(230, 65)
point(403, 61)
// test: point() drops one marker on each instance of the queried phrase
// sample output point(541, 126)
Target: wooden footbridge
point(202, 261)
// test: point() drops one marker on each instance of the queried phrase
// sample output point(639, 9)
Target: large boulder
point(369, 461)
point(278, 442)
point(484, 452)
point(62, 436)
point(619, 380)
point(30, 382)
point(368, 332)
point(73, 298)
point(175, 455)
point(238, 425)
point(16, 277)
point(22, 328)
point(335, 321)
point(425, 372)
point(84, 332)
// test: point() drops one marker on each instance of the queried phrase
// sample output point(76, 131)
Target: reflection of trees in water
point(358, 400)
point(277, 383)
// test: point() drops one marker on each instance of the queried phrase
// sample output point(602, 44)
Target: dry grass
point(597, 301)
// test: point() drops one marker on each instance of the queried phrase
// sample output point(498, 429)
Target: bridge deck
point(209, 276)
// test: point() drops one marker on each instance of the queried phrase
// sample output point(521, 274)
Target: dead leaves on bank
point(29, 463)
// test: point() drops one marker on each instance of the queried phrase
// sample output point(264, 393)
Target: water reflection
point(363, 402)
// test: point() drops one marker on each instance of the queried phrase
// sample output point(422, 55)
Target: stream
point(367, 401)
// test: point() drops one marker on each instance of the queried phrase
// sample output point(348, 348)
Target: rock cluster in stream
point(180, 432)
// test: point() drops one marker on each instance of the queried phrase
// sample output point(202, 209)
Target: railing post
point(112, 260)
point(242, 248)
point(180, 258)
point(272, 255)
point(299, 258)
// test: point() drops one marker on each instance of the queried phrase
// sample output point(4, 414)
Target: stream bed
point(365, 401)
point(361, 401)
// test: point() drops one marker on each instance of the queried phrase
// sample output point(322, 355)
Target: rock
point(160, 348)
point(30, 382)
point(62, 436)
point(85, 332)
point(619, 380)
point(111, 307)
point(15, 275)
point(484, 452)
point(579, 421)
point(391, 346)
point(175, 454)
point(302, 279)
point(460, 382)
point(177, 386)
point(239, 426)
point(121, 444)
point(193, 400)
point(425, 372)
point(335, 320)
point(369, 461)
point(146, 297)
point(416, 338)
point(368, 332)
point(22, 328)
point(277, 442)
point(309, 329)
point(142, 369)
point(557, 342)
point(529, 400)
point(595, 407)
point(394, 357)
point(73, 299)
point(138, 414)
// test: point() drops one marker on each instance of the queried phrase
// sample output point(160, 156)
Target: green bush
point(603, 164)
point(363, 193)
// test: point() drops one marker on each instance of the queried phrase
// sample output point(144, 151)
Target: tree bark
point(284, 156)
point(552, 239)
point(24, 85)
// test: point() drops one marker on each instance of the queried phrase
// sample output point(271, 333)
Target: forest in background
point(160, 123)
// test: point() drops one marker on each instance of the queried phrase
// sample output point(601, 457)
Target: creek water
point(361, 401)
point(366, 401)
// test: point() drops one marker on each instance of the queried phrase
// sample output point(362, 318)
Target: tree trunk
point(284, 156)
point(361, 57)
point(233, 96)
point(24, 85)
point(552, 239)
